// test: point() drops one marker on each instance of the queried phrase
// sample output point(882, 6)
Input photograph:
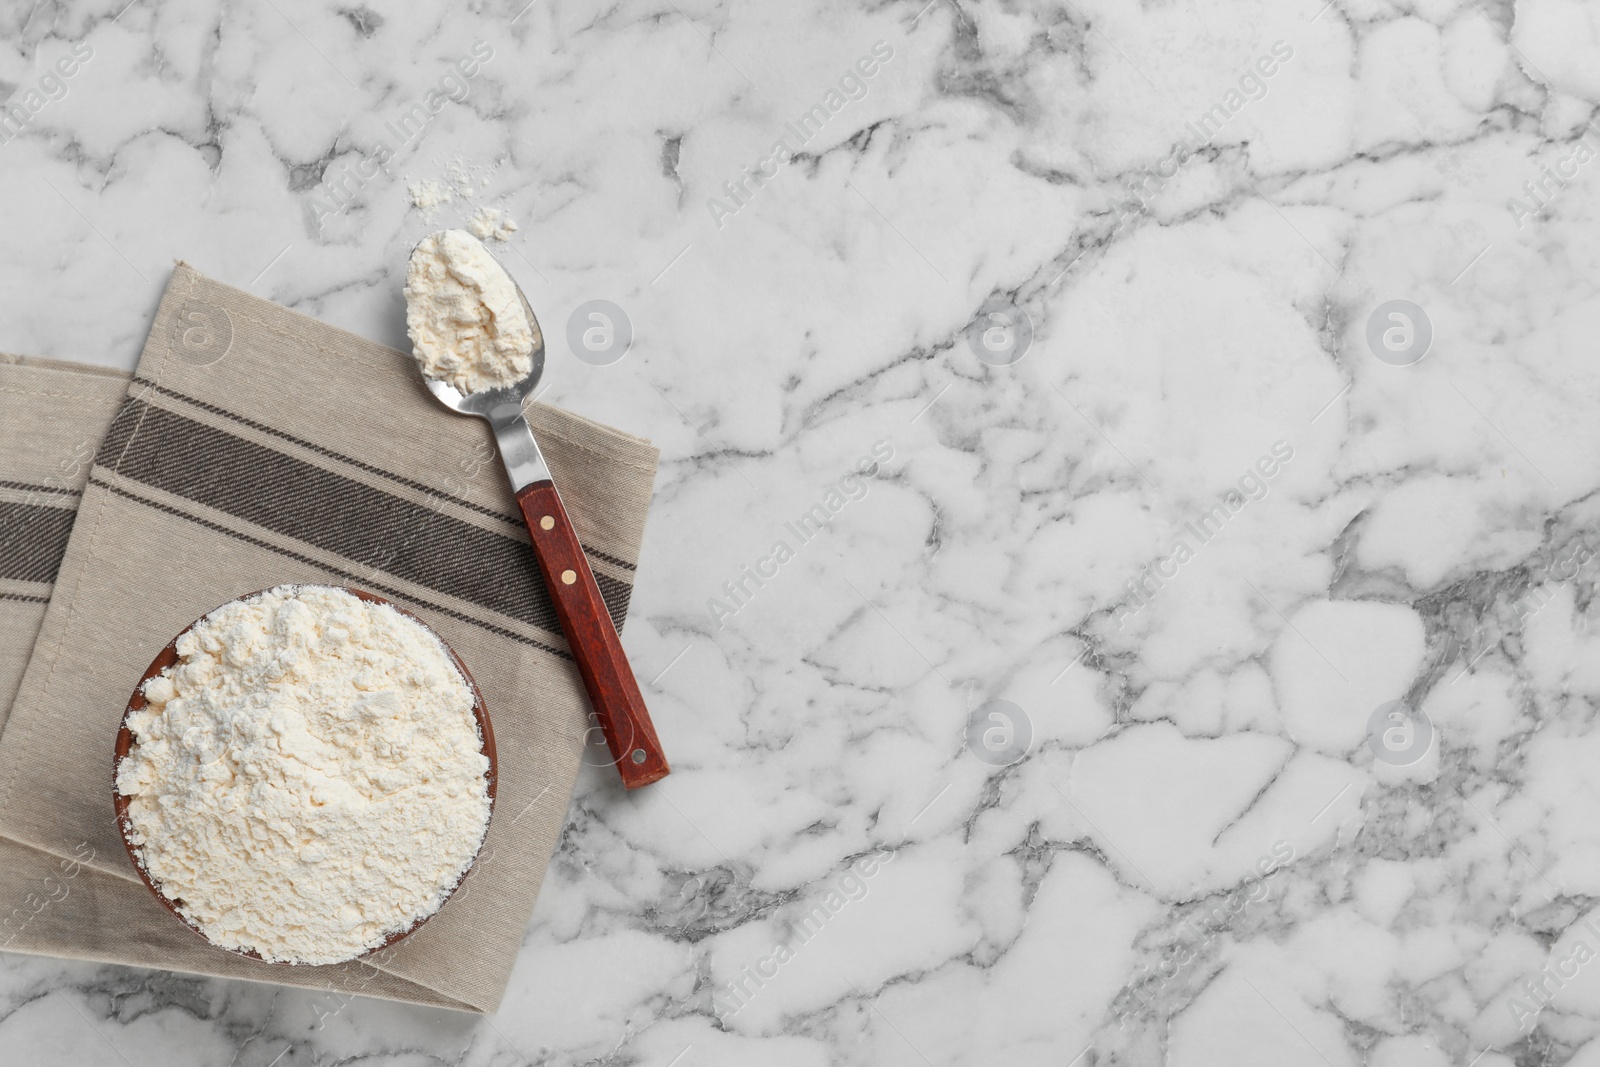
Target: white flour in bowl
point(467, 325)
point(309, 777)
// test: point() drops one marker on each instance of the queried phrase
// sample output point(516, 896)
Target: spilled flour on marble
point(308, 778)
point(427, 196)
point(492, 224)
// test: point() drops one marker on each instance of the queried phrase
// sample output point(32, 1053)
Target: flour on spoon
point(467, 324)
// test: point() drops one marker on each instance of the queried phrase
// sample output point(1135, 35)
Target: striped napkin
point(254, 446)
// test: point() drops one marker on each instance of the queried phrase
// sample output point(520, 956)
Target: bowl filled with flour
point(305, 775)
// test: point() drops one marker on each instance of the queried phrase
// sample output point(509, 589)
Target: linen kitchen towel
point(52, 418)
point(252, 447)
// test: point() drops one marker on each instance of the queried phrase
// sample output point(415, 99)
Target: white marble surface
point(1195, 719)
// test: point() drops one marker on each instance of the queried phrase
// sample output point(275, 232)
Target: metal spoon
point(613, 690)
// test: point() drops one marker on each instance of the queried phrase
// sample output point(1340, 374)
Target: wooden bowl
point(169, 656)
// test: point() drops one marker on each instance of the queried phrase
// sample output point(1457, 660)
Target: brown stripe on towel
point(594, 553)
point(33, 538)
point(337, 514)
point(31, 487)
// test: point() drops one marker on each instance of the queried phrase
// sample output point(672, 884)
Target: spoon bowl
point(505, 401)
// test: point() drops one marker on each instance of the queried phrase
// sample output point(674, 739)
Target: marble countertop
point(1121, 586)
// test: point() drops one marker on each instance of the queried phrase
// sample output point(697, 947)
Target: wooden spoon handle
point(613, 691)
